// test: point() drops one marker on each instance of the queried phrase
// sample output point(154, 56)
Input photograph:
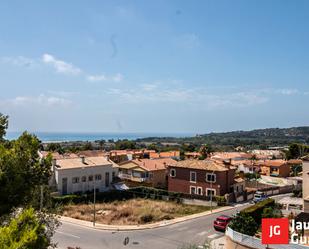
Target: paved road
point(170, 237)
point(195, 231)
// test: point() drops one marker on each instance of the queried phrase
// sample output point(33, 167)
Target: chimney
point(82, 158)
point(227, 163)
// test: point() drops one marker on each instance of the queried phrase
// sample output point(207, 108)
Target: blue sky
point(154, 66)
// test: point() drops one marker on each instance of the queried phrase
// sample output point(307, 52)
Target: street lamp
point(94, 199)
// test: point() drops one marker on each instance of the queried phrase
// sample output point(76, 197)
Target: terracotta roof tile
point(200, 164)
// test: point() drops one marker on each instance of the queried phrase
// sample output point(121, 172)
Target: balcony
point(132, 178)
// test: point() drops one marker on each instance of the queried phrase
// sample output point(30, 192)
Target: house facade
point(279, 168)
point(202, 177)
point(151, 172)
point(82, 174)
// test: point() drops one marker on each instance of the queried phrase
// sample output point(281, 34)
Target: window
point(107, 179)
point(192, 176)
point(113, 175)
point(210, 192)
point(98, 177)
point(90, 178)
point(173, 173)
point(150, 175)
point(84, 179)
point(192, 190)
point(75, 180)
point(210, 177)
point(199, 190)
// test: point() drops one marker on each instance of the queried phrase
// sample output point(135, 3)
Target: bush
point(270, 212)
point(221, 201)
point(244, 223)
point(256, 210)
point(146, 218)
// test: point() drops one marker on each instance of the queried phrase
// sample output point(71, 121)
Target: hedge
point(137, 192)
point(256, 210)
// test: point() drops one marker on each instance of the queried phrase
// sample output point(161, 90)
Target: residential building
point(166, 154)
point(267, 154)
point(82, 174)
point(151, 172)
point(246, 166)
point(280, 168)
point(119, 156)
point(235, 156)
point(192, 155)
point(202, 177)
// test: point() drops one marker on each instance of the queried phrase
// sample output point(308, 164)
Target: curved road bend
point(195, 231)
point(174, 236)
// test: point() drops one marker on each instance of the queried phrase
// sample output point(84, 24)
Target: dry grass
point(131, 212)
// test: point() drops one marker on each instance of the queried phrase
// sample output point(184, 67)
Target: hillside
point(255, 138)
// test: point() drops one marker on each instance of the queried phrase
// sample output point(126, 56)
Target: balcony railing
point(132, 178)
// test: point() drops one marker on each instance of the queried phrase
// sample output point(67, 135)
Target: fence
point(268, 189)
point(253, 242)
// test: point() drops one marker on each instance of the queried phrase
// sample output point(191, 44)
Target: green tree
point(27, 230)
point(55, 147)
point(205, 150)
point(3, 125)
point(244, 223)
point(21, 172)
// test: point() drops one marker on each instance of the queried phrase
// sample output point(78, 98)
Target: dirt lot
point(131, 212)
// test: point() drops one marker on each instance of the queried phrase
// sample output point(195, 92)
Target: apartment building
point(82, 174)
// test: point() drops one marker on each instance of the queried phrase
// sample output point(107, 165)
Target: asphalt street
point(196, 231)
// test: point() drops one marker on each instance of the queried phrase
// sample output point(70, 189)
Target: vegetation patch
point(131, 212)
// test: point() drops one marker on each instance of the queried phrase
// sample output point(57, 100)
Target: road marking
point(68, 234)
point(215, 235)
point(181, 228)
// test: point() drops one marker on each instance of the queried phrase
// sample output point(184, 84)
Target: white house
point(83, 174)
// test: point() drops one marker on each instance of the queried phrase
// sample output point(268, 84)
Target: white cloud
point(192, 96)
point(287, 91)
point(61, 66)
point(19, 61)
point(149, 87)
point(117, 78)
point(95, 78)
point(42, 100)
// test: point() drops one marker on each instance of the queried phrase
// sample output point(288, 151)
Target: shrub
point(146, 218)
point(256, 210)
point(244, 223)
point(221, 201)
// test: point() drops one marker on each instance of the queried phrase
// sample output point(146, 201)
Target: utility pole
point(211, 191)
point(41, 197)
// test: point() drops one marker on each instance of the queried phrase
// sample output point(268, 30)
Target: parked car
point(221, 222)
point(259, 196)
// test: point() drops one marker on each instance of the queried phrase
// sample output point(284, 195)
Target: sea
point(72, 136)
